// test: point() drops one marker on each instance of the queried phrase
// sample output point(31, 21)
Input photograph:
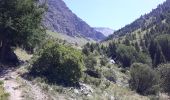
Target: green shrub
point(143, 79)
point(164, 72)
point(91, 80)
point(59, 64)
point(104, 61)
point(90, 62)
point(1, 82)
point(110, 75)
point(3, 94)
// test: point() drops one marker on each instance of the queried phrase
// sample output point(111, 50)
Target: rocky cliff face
point(60, 18)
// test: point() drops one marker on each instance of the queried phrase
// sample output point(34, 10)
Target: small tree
point(137, 47)
point(90, 62)
point(159, 56)
point(104, 61)
point(143, 79)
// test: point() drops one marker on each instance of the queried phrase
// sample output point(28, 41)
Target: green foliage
point(104, 61)
point(126, 42)
point(59, 64)
point(92, 80)
point(20, 24)
point(110, 75)
point(1, 82)
point(3, 94)
point(144, 58)
point(126, 55)
point(164, 72)
point(111, 51)
point(159, 56)
point(160, 49)
point(137, 47)
point(90, 62)
point(143, 80)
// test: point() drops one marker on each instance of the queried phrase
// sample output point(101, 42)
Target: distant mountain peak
point(105, 30)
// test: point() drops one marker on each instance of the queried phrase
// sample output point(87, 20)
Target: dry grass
point(22, 55)
point(3, 94)
point(72, 40)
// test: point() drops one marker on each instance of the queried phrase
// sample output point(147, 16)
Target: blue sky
point(111, 13)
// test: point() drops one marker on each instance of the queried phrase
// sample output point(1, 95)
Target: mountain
point(149, 34)
point(104, 30)
point(158, 20)
point(59, 18)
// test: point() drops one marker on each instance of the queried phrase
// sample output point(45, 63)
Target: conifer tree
point(159, 57)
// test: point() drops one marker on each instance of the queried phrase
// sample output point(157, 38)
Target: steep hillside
point(104, 30)
point(159, 18)
point(78, 41)
point(59, 18)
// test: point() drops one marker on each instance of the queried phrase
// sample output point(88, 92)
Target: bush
point(59, 64)
point(3, 94)
point(104, 61)
point(110, 75)
point(91, 80)
point(164, 72)
point(143, 79)
point(90, 62)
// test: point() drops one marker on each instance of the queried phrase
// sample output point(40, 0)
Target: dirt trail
point(9, 77)
point(11, 86)
point(14, 84)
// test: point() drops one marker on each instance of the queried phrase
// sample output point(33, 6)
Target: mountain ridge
point(59, 18)
point(156, 16)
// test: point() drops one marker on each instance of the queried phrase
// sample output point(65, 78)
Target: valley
point(48, 53)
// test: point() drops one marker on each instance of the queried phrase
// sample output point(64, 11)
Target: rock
point(85, 89)
point(76, 91)
point(112, 98)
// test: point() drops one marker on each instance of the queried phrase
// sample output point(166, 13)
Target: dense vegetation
point(149, 35)
point(20, 25)
point(152, 20)
point(59, 64)
point(145, 42)
point(143, 54)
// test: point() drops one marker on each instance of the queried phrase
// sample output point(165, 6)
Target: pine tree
point(126, 42)
point(159, 57)
point(137, 47)
point(112, 50)
point(152, 49)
